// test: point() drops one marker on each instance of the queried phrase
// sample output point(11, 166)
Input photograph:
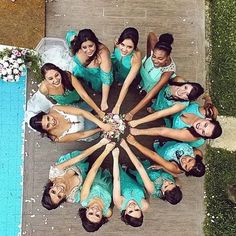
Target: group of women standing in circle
point(188, 124)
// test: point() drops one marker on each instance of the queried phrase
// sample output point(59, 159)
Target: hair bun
point(166, 38)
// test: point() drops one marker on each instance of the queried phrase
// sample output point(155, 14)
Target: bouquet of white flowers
point(118, 124)
point(13, 63)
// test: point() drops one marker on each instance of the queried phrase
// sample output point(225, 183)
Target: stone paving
point(183, 18)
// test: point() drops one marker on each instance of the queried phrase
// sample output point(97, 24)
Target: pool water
point(12, 102)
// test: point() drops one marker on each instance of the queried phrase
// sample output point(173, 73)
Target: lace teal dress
point(174, 151)
point(151, 75)
point(80, 168)
point(121, 65)
point(101, 188)
point(156, 176)
point(130, 190)
point(178, 123)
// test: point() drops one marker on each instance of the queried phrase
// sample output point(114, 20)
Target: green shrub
point(222, 68)
point(220, 217)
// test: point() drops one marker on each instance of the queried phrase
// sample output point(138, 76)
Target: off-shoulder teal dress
point(95, 77)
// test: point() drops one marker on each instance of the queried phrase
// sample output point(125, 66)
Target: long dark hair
point(198, 169)
point(36, 124)
point(65, 75)
point(164, 43)
point(173, 196)
point(217, 131)
point(129, 220)
point(46, 199)
point(129, 33)
point(87, 224)
point(196, 91)
point(83, 36)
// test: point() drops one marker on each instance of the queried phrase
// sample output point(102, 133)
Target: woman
point(96, 195)
point(67, 124)
point(172, 99)
point(193, 125)
point(93, 62)
point(62, 88)
point(157, 68)
point(178, 157)
point(173, 157)
point(126, 62)
point(128, 195)
point(164, 186)
point(67, 176)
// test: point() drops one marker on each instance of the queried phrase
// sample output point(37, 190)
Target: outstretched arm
point(83, 154)
point(171, 167)
point(117, 198)
point(93, 171)
point(157, 115)
point(138, 165)
point(164, 79)
point(76, 136)
point(84, 95)
point(85, 114)
point(106, 67)
point(136, 63)
point(177, 134)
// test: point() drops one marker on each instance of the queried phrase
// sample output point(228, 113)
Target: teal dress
point(70, 97)
point(151, 75)
point(173, 151)
point(164, 101)
point(101, 188)
point(156, 176)
point(178, 123)
point(121, 65)
point(130, 190)
point(80, 168)
point(96, 77)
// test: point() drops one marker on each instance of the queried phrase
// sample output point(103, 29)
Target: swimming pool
point(12, 102)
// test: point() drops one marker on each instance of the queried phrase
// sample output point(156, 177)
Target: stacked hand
point(110, 146)
point(131, 140)
point(104, 141)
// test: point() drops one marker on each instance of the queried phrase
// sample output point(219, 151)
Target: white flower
point(4, 72)
point(5, 58)
point(5, 64)
point(10, 78)
point(22, 67)
point(16, 65)
point(15, 71)
point(116, 118)
point(13, 56)
point(17, 77)
point(9, 71)
point(19, 60)
point(11, 60)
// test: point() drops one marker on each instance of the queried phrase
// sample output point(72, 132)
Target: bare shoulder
point(104, 51)
point(43, 88)
point(137, 56)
